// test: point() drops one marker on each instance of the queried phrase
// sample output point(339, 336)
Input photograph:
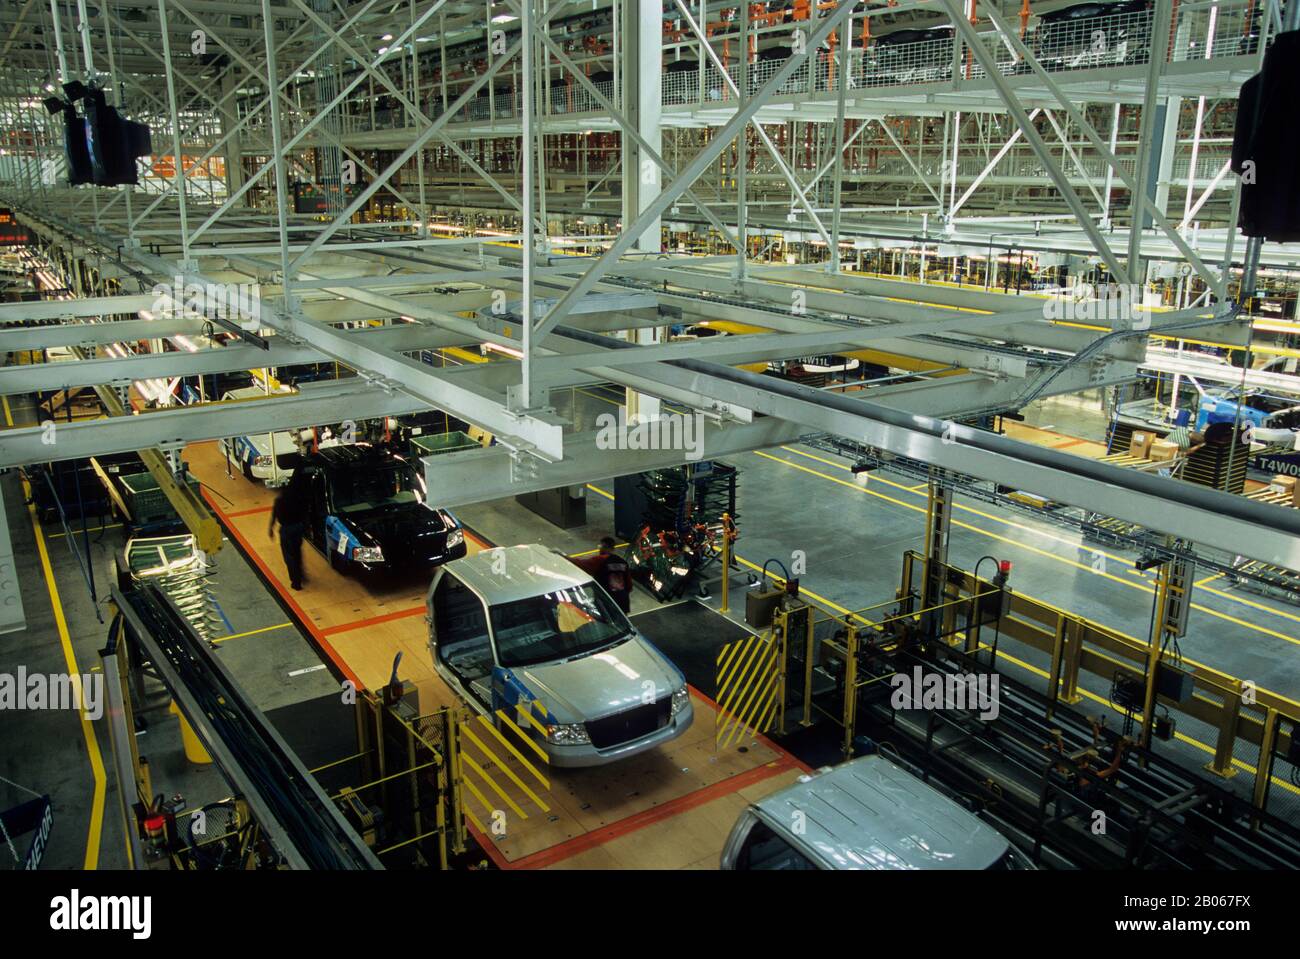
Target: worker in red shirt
point(610, 570)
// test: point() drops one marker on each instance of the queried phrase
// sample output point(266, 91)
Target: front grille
point(630, 724)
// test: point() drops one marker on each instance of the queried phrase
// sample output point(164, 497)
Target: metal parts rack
point(296, 816)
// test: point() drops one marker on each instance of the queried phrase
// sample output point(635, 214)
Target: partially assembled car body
point(531, 641)
point(269, 457)
point(367, 508)
point(868, 813)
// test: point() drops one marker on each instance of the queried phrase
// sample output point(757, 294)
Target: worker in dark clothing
point(290, 511)
point(610, 570)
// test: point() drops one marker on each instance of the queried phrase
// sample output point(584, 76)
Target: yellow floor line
point(96, 828)
point(251, 632)
point(77, 532)
point(1029, 529)
point(1009, 658)
point(803, 590)
point(70, 659)
point(1047, 553)
point(1117, 632)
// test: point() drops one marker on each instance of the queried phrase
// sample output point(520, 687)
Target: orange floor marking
point(674, 807)
point(373, 620)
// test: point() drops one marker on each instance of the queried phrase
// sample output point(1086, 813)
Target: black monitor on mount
point(101, 145)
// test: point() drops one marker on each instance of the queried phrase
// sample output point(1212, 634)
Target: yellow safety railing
point(1238, 712)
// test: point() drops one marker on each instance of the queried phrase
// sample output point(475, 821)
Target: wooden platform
point(1143, 464)
point(1053, 440)
point(1266, 494)
point(669, 808)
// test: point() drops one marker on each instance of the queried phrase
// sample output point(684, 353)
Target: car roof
point(915, 34)
point(529, 570)
point(351, 454)
point(873, 814)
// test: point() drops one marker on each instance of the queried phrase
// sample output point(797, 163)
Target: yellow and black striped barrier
point(503, 767)
point(750, 687)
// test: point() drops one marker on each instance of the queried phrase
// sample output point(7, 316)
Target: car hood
point(610, 681)
point(397, 524)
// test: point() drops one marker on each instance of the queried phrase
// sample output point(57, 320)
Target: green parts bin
point(431, 444)
point(148, 504)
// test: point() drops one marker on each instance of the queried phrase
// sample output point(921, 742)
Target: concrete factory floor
point(853, 531)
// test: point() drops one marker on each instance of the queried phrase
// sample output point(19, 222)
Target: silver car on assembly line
point(532, 643)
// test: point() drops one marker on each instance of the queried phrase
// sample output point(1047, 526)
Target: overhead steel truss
point(272, 90)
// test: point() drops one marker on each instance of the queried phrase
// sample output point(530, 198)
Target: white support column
point(1164, 164)
point(83, 29)
point(62, 55)
point(842, 77)
point(642, 78)
point(529, 397)
point(1110, 170)
point(1152, 122)
point(742, 153)
point(279, 160)
point(178, 159)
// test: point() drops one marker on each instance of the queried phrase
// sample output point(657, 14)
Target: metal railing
point(1200, 31)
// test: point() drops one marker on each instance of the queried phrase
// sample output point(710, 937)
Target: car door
point(462, 651)
point(760, 847)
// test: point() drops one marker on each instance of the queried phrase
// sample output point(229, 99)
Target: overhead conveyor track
point(1139, 540)
point(1221, 519)
point(294, 812)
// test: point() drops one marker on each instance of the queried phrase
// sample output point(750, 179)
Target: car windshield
point(1010, 860)
point(368, 487)
point(569, 622)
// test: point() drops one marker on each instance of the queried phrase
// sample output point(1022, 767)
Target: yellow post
point(1264, 768)
point(783, 659)
point(453, 772)
point(1072, 661)
point(1229, 716)
point(850, 688)
point(808, 668)
point(1054, 674)
point(1153, 655)
point(726, 564)
point(194, 750)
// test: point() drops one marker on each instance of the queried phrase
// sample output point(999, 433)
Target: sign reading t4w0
point(34, 816)
point(1284, 464)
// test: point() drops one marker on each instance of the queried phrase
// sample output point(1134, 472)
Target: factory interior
point(619, 436)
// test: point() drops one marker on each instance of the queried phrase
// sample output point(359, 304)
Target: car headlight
point(262, 460)
point(455, 537)
point(681, 699)
point(567, 734)
point(368, 554)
